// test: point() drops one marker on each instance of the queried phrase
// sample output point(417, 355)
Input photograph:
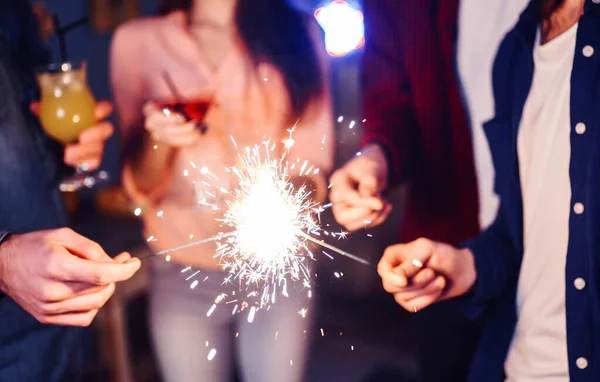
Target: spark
point(159, 213)
point(194, 284)
point(322, 333)
point(192, 276)
point(211, 310)
point(302, 312)
point(137, 211)
point(352, 124)
point(251, 315)
point(340, 118)
point(212, 354)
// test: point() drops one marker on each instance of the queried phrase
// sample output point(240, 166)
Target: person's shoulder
point(138, 29)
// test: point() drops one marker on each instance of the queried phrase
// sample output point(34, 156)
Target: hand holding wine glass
point(87, 151)
point(68, 113)
point(169, 127)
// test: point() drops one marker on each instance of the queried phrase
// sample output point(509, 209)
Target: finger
point(98, 133)
point(122, 257)
point(52, 292)
point(392, 283)
point(79, 245)
point(149, 108)
point(382, 215)
point(346, 193)
point(81, 303)
point(421, 251)
point(422, 302)
point(179, 140)
point(78, 153)
point(71, 319)
point(355, 216)
point(392, 257)
point(103, 110)
point(421, 279)
point(181, 135)
point(35, 108)
point(436, 285)
point(99, 273)
point(367, 186)
point(160, 117)
point(375, 218)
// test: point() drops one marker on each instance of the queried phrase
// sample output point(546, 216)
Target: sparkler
point(269, 226)
point(272, 225)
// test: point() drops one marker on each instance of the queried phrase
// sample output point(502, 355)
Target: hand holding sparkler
point(423, 272)
point(357, 187)
point(59, 276)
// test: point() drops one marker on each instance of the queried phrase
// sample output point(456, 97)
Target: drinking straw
point(61, 32)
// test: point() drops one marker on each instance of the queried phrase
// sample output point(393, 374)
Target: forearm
point(3, 236)
point(151, 164)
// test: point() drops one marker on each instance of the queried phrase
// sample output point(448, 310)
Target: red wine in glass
point(192, 110)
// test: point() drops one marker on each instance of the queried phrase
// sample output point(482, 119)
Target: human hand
point(87, 152)
point(356, 190)
point(169, 127)
point(59, 276)
point(423, 272)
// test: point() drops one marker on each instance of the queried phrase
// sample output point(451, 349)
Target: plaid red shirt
point(414, 109)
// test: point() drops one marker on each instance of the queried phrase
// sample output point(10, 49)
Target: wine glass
point(192, 109)
point(67, 108)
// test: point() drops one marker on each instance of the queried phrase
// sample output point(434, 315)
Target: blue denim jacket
point(29, 201)
point(499, 250)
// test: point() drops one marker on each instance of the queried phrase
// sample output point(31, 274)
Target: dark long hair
point(274, 32)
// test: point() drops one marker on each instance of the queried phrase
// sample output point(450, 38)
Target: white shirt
point(482, 25)
point(539, 347)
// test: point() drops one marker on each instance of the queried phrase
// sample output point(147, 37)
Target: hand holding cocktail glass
point(70, 115)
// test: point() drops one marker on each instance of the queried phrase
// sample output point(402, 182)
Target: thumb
point(367, 186)
point(101, 273)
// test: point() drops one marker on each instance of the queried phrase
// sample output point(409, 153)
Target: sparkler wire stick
point(192, 244)
point(335, 249)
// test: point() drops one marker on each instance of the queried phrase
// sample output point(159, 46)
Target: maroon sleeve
point(387, 100)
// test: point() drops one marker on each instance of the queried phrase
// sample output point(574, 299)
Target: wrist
point(4, 235)
point(470, 271)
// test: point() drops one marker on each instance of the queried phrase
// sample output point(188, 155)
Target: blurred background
point(365, 336)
